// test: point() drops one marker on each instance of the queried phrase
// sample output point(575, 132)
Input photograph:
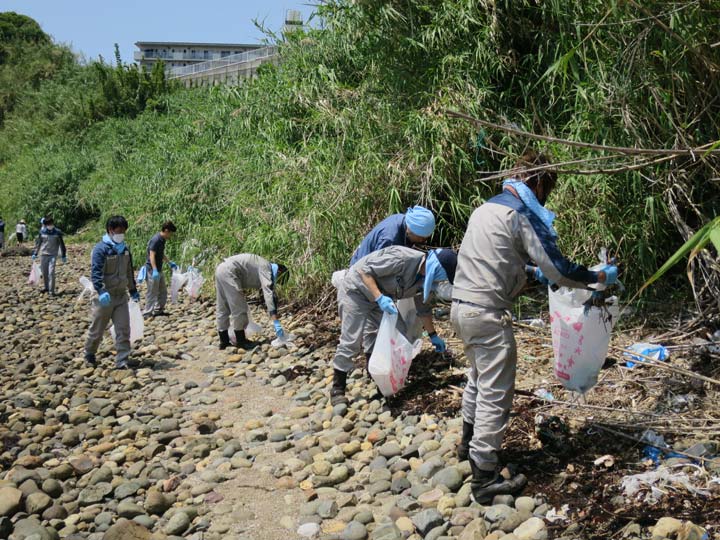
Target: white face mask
point(50, 227)
point(118, 238)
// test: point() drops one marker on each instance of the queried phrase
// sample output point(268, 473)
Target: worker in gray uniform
point(47, 245)
point(503, 235)
point(370, 288)
point(245, 271)
point(156, 296)
point(112, 277)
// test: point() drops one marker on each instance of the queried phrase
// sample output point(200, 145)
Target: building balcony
point(178, 56)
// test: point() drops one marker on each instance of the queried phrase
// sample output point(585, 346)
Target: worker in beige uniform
point(245, 271)
point(371, 287)
point(503, 235)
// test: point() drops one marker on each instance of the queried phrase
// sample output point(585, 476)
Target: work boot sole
point(486, 494)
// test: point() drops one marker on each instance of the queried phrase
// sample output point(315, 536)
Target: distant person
point(21, 231)
point(245, 271)
point(47, 245)
point(2, 233)
point(502, 235)
point(156, 297)
point(112, 278)
point(372, 286)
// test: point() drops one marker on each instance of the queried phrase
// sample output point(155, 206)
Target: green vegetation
point(301, 162)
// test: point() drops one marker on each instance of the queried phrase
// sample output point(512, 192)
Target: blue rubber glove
point(173, 266)
point(540, 277)
point(611, 273)
point(64, 259)
point(104, 299)
point(34, 256)
point(438, 342)
point(155, 275)
point(279, 332)
point(135, 296)
point(386, 304)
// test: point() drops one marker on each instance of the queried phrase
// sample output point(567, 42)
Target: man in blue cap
point(414, 227)
point(502, 236)
point(371, 287)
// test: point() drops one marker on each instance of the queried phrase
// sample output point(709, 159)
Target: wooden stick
point(619, 149)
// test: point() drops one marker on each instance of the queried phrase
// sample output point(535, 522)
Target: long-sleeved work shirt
point(49, 242)
point(253, 272)
point(112, 271)
point(396, 270)
point(391, 231)
point(502, 236)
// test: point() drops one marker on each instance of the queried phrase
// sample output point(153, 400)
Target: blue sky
point(92, 27)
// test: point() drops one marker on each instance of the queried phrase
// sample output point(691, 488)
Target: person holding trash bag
point(48, 243)
point(412, 228)
point(502, 236)
point(156, 288)
point(112, 277)
point(371, 287)
point(21, 231)
point(245, 271)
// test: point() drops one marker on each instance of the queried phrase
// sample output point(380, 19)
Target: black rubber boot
point(90, 359)
point(463, 449)
point(486, 484)
point(224, 339)
point(337, 392)
point(242, 342)
point(367, 363)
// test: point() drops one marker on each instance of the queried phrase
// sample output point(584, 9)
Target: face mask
point(118, 238)
point(50, 227)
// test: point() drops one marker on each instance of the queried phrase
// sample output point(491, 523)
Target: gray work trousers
point(230, 302)
point(118, 312)
point(490, 349)
point(47, 266)
point(156, 295)
point(356, 314)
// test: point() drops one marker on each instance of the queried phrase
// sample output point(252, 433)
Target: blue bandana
point(434, 272)
point(530, 200)
point(119, 248)
point(274, 269)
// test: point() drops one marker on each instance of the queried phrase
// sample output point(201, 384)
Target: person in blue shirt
point(157, 290)
point(112, 277)
point(414, 227)
point(49, 242)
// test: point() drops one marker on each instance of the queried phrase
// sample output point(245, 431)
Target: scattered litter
point(545, 394)
point(535, 323)
point(607, 461)
point(556, 516)
point(682, 402)
point(283, 341)
point(656, 484)
point(657, 352)
point(657, 448)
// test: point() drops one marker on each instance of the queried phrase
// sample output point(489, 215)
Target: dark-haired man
point(49, 242)
point(112, 277)
point(245, 271)
point(156, 296)
point(503, 234)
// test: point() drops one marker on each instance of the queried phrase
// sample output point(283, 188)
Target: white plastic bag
point(283, 341)
point(35, 274)
point(137, 323)
point(580, 336)
point(88, 289)
point(252, 327)
point(194, 282)
point(142, 274)
point(392, 356)
point(177, 281)
point(338, 277)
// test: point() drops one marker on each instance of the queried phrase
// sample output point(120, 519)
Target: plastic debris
point(545, 394)
point(607, 461)
point(556, 516)
point(535, 323)
point(283, 341)
point(658, 352)
point(656, 484)
point(657, 448)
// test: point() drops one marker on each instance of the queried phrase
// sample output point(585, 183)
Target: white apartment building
point(179, 54)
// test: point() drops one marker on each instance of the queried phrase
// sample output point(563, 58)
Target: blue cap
point(420, 221)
